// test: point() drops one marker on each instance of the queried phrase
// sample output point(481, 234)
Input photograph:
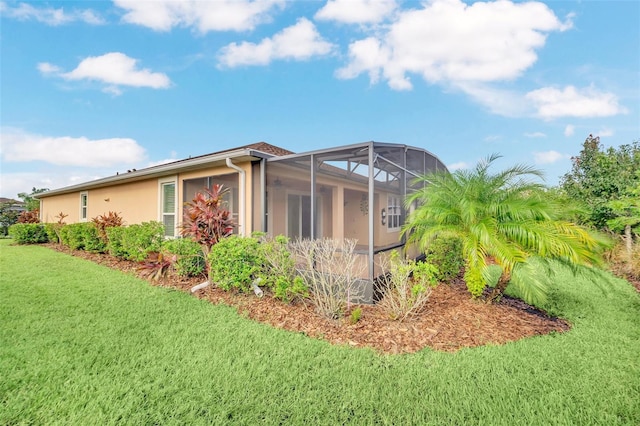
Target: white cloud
point(298, 42)
point(49, 15)
point(548, 157)
point(503, 102)
point(356, 11)
point(492, 138)
point(204, 16)
point(569, 130)
point(47, 68)
point(115, 69)
point(20, 146)
point(458, 166)
point(448, 41)
point(551, 102)
point(535, 135)
point(14, 183)
point(605, 132)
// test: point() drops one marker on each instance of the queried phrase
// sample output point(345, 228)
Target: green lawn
point(82, 344)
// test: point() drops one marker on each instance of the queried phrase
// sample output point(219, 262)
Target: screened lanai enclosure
point(354, 192)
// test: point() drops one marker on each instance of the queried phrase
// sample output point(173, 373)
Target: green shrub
point(92, 240)
point(141, 239)
point(235, 262)
point(82, 236)
point(475, 282)
point(406, 285)
point(71, 236)
point(278, 272)
point(52, 232)
point(28, 233)
point(114, 241)
point(445, 253)
point(189, 256)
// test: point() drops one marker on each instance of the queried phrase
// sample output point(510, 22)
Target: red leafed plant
point(31, 216)
point(206, 218)
point(105, 221)
point(156, 266)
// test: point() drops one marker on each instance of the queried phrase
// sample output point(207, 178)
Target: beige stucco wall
point(136, 202)
point(68, 204)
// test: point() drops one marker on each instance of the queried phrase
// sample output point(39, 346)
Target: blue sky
point(89, 89)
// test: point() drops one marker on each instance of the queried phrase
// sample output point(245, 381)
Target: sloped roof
point(244, 153)
point(4, 200)
point(269, 149)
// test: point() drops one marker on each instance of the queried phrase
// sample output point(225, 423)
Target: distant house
point(14, 205)
point(355, 191)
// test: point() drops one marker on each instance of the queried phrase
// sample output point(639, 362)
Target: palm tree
point(502, 219)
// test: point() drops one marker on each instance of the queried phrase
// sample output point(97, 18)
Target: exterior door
point(299, 216)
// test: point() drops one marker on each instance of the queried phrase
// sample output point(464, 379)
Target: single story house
point(354, 191)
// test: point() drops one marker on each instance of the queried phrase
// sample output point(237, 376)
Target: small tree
point(627, 219)
point(207, 220)
point(599, 176)
point(32, 203)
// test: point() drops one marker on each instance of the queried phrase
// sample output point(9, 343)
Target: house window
point(168, 207)
point(394, 213)
point(84, 204)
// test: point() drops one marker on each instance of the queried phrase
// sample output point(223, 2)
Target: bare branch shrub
point(331, 271)
point(406, 286)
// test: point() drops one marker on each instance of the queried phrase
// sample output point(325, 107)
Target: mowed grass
point(83, 344)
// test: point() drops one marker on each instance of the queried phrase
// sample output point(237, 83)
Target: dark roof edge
point(157, 171)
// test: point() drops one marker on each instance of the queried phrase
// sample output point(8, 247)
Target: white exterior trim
point(161, 182)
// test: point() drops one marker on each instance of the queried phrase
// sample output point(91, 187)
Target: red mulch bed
point(451, 321)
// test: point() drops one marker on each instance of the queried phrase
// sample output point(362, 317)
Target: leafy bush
point(82, 236)
point(28, 233)
point(135, 242)
point(141, 239)
point(406, 286)
point(53, 229)
point(445, 253)
point(114, 241)
point(279, 271)
point(234, 262)
point(190, 259)
point(52, 232)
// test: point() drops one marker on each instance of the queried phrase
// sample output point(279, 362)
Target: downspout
point(241, 195)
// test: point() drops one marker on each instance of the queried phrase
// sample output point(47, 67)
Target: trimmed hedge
point(82, 236)
point(28, 233)
point(135, 242)
point(190, 258)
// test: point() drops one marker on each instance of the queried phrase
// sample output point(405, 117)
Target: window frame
point(84, 206)
point(162, 183)
point(394, 213)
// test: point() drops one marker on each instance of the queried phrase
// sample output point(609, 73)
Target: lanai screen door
point(299, 216)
